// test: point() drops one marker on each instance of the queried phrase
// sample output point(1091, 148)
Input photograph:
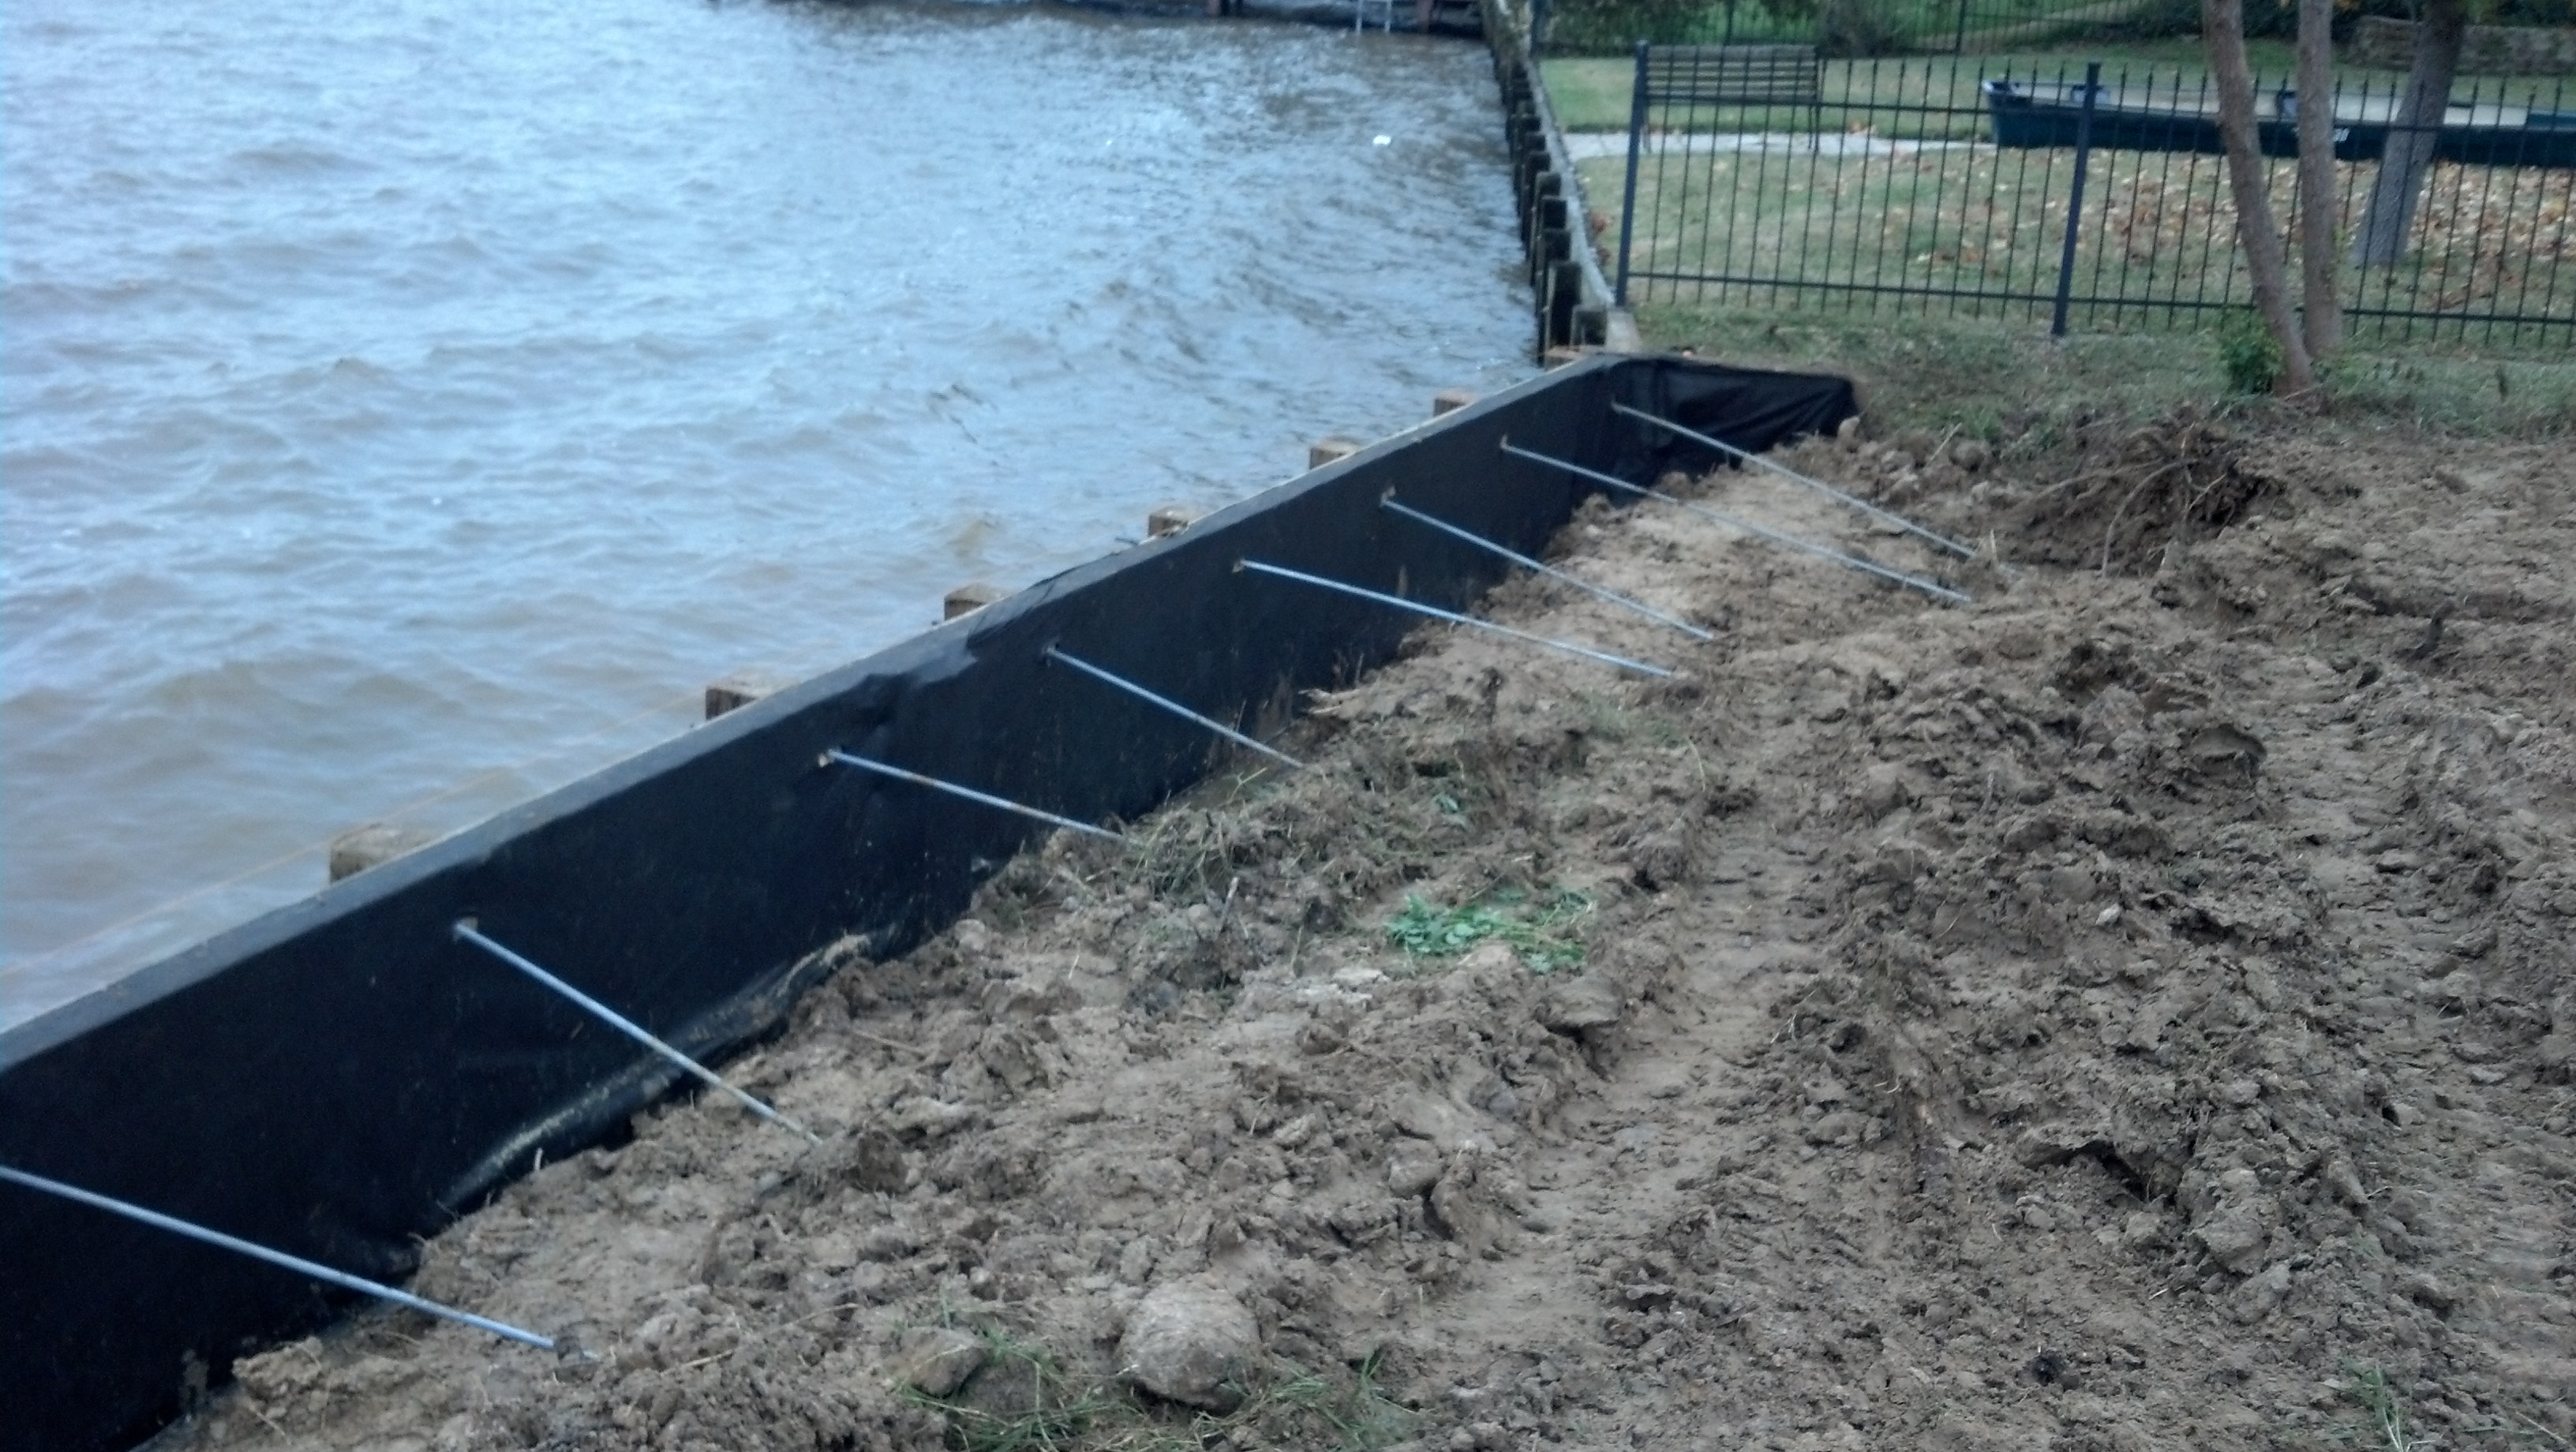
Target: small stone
point(936, 1361)
point(1412, 1168)
point(2261, 1296)
point(1842, 1127)
point(1883, 788)
point(2071, 885)
point(2107, 916)
point(2238, 1093)
point(1190, 1341)
point(2429, 1293)
point(2234, 1237)
point(1580, 1004)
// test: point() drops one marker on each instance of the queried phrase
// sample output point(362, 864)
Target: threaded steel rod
point(465, 932)
point(969, 793)
point(1819, 485)
point(297, 1264)
point(1854, 562)
point(1175, 707)
point(1454, 618)
point(1625, 602)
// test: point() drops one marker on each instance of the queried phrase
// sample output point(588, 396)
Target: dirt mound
point(2131, 1012)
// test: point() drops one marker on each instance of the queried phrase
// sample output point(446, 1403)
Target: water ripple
point(428, 398)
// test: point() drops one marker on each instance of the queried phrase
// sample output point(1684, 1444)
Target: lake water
point(407, 408)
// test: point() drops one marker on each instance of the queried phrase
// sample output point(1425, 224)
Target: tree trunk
point(2266, 259)
point(2320, 206)
point(2380, 239)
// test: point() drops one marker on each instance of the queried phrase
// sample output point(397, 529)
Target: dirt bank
point(2133, 1011)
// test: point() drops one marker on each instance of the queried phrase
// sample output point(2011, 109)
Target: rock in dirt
point(2261, 1296)
point(936, 1361)
point(1412, 1168)
point(1579, 1005)
point(2235, 1237)
point(1188, 1341)
point(1425, 1115)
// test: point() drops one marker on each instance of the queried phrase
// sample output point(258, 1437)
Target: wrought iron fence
point(2096, 199)
point(1854, 27)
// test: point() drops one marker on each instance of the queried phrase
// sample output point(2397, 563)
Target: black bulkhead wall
point(340, 1076)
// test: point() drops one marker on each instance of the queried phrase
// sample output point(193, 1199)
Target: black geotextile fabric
point(1744, 407)
point(341, 1076)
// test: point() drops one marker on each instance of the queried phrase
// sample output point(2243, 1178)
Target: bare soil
point(2133, 1011)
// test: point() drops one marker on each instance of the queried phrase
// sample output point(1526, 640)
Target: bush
point(1613, 25)
point(1860, 28)
point(2250, 354)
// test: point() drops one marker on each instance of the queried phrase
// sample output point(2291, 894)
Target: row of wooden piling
point(1552, 226)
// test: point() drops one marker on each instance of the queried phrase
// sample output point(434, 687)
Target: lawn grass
point(2003, 380)
point(1985, 229)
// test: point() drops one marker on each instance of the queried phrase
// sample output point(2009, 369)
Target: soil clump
point(2131, 1012)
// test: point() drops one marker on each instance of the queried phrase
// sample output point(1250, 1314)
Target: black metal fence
point(1856, 27)
point(2096, 199)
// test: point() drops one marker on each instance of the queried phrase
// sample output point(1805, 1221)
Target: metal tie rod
point(465, 931)
point(1175, 707)
point(1784, 471)
point(1627, 602)
point(1749, 527)
point(297, 1264)
point(1454, 618)
point(969, 793)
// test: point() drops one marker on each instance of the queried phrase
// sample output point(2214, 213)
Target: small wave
point(295, 158)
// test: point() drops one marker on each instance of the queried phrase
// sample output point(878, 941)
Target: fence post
point(2075, 201)
point(1628, 196)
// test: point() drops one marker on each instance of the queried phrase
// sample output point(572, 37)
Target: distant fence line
point(1855, 27)
point(1930, 186)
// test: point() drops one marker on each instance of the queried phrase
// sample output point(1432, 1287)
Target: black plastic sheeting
point(340, 1076)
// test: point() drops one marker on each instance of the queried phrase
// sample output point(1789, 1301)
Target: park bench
point(1736, 75)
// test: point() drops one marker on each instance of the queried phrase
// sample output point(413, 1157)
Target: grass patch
point(2368, 1385)
point(1543, 932)
point(1985, 229)
point(2001, 381)
point(1298, 1403)
point(1024, 1399)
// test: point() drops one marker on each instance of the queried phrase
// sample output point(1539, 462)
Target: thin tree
point(2266, 258)
point(2379, 239)
point(2320, 312)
